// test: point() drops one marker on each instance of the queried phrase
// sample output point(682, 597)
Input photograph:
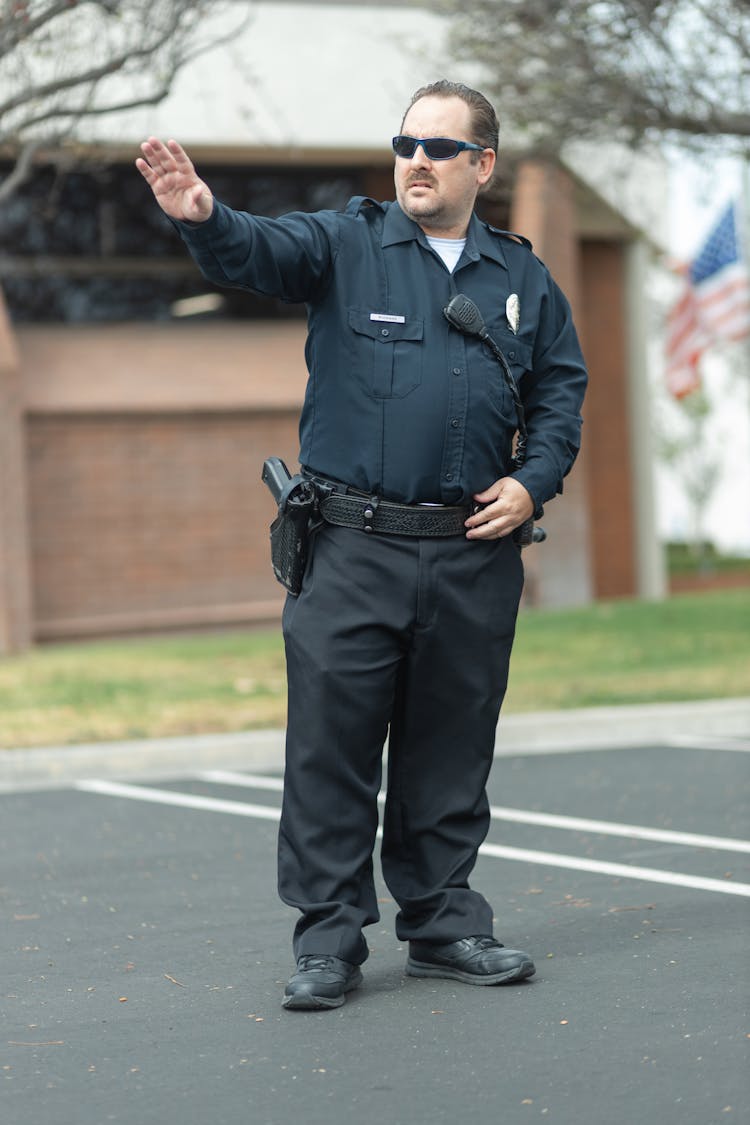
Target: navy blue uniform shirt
point(398, 403)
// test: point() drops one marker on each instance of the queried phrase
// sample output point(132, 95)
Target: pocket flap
point(387, 332)
point(517, 351)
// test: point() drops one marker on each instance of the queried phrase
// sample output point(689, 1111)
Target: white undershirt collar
point(449, 249)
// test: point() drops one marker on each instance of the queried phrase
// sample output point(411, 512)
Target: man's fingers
point(154, 151)
point(506, 504)
point(171, 156)
point(181, 158)
point(145, 169)
point(483, 516)
point(488, 495)
point(485, 524)
point(163, 159)
point(493, 529)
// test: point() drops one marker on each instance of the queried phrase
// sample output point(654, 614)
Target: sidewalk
point(549, 732)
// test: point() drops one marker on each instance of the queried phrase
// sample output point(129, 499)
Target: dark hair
point(484, 123)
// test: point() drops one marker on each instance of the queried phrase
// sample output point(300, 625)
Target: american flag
point(714, 305)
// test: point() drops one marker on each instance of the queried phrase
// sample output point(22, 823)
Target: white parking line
point(614, 828)
point(620, 870)
point(527, 816)
point(183, 800)
point(547, 859)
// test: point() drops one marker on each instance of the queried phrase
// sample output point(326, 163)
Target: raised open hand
point(170, 174)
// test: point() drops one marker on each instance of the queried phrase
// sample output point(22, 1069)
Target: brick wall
point(141, 522)
point(144, 449)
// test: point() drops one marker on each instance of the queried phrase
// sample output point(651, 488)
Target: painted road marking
point(613, 828)
point(522, 855)
point(527, 816)
point(620, 870)
point(182, 800)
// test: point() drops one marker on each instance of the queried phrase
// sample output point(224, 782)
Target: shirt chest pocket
point(518, 354)
point(388, 355)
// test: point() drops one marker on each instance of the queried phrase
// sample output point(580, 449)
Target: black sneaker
point(321, 981)
point(473, 960)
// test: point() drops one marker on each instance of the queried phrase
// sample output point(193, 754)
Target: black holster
point(290, 531)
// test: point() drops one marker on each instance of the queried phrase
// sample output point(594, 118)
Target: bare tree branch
point(21, 170)
point(94, 74)
point(622, 69)
point(79, 112)
point(16, 29)
point(62, 61)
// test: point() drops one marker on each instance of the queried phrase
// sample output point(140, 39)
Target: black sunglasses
point(435, 148)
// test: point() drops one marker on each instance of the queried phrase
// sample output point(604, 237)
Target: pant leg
point(442, 736)
point(345, 639)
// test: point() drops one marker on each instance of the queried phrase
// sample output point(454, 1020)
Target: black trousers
point(413, 635)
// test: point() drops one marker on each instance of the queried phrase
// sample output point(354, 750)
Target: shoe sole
point(426, 969)
point(309, 1002)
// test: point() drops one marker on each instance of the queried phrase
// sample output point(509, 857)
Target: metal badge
point(513, 312)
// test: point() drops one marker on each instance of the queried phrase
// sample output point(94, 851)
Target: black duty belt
point(388, 518)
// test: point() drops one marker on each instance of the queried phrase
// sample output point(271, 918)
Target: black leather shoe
point(321, 981)
point(473, 960)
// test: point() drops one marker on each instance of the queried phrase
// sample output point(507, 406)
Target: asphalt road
point(145, 954)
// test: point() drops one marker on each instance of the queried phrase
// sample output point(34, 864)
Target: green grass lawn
point(696, 646)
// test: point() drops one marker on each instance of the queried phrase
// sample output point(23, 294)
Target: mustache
point(416, 179)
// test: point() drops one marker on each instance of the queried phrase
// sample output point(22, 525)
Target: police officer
point(404, 625)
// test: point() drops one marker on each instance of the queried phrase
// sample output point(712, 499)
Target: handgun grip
point(276, 477)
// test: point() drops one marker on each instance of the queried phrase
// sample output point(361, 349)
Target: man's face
point(440, 194)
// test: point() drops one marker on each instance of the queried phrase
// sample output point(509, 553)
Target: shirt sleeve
point(289, 258)
point(552, 394)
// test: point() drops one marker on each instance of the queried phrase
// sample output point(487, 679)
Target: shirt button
point(449, 476)
point(455, 423)
point(511, 355)
point(384, 332)
point(456, 370)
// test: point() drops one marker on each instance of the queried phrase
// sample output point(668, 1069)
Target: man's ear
point(486, 166)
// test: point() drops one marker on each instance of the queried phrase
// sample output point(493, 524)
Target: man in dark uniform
point(405, 621)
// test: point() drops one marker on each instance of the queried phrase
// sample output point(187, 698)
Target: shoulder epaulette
point(358, 203)
point(512, 235)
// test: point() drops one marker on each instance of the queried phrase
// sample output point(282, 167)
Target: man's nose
point(420, 158)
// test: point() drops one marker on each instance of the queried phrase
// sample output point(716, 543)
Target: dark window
point(90, 244)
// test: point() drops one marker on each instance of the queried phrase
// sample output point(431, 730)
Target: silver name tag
point(387, 318)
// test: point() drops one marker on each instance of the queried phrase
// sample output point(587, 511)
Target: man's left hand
point(507, 506)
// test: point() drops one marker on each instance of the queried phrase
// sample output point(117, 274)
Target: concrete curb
point(151, 757)
point(550, 732)
point(613, 728)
